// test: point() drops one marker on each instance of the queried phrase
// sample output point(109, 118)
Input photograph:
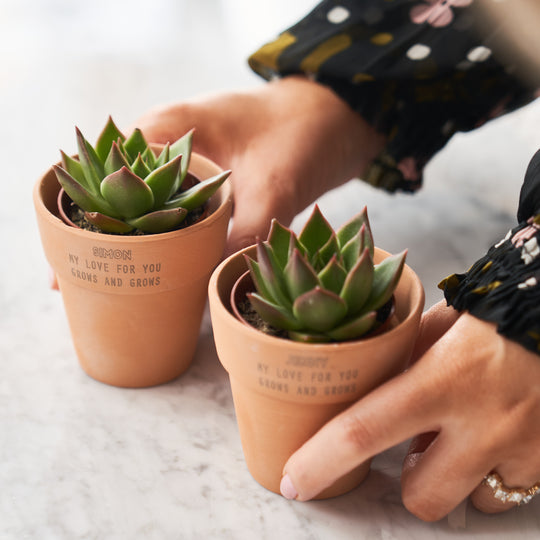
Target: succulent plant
point(322, 285)
point(121, 185)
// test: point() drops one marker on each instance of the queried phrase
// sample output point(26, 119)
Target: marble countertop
point(82, 460)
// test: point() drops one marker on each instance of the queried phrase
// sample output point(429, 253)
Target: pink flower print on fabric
point(409, 169)
point(525, 234)
point(437, 13)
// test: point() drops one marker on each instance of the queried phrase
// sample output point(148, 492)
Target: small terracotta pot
point(134, 303)
point(285, 391)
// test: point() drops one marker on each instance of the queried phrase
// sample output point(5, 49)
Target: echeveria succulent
point(322, 285)
point(122, 185)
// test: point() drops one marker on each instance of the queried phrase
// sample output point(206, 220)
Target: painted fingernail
point(287, 488)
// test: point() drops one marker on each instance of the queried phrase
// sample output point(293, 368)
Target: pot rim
point(225, 191)
point(417, 305)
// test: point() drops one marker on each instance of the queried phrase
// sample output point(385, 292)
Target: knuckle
point(357, 432)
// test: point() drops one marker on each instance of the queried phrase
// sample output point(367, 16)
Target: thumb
point(251, 220)
point(245, 230)
point(256, 203)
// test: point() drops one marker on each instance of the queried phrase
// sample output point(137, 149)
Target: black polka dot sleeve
point(416, 70)
point(504, 286)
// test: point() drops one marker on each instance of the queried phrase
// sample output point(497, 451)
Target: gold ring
point(506, 494)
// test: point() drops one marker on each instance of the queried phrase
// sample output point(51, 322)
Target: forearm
point(417, 73)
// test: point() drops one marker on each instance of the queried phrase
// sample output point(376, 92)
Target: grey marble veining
point(81, 460)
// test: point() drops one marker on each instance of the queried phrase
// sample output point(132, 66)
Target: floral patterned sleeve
point(504, 286)
point(419, 72)
point(415, 69)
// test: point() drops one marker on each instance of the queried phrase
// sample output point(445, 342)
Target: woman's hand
point(287, 143)
point(472, 403)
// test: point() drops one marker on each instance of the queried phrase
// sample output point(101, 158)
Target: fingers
point(436, 479)
point(246, 228)
point(516, 472)
point(475, 398)
point(494, 496)
point(434, 324)
point(389, 415)
point(419, 501)
point(259, 196)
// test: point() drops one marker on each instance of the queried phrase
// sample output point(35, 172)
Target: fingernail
point(287, 488)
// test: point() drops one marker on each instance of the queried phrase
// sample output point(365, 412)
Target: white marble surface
point(81, 460)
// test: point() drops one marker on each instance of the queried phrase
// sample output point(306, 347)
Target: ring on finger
point(506, 494)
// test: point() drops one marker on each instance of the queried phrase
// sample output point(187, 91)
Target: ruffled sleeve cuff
point(504, 286)
point(415, 70)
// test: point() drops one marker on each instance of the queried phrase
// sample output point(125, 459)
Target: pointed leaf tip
point(319, 309)
point(108, 135)
point(127, 193)
point(316, 231)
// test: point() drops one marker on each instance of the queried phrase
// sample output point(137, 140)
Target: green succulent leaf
point(272, 276)
point(115, 160)
point(258, 280)
point(319, 309)
point(357, 285)
point(108, 223)
point(327, 251)
point(120, 180)
point(333, 275)
point(159, 221)
point(109, 135)
point(163, 156)
point(127, 193)
point(329, 278)
point(90, 162)
point(355, 328)
point(274, 314)
point(122, 149)
point(279, 238)
point(149, 158)
point(316, 232)
point(352, 227)
point(307, 337)
point(182, 147)
point(299, 275)
point(162, 181)
point(353, 248)
point(140, 168)
point(198, 194)
point(385, 279)
point(79, 194)
point(135, 144)
point(367, 239)
point(74, 168)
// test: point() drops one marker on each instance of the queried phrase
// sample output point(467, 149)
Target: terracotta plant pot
point(285, 391)
point(134, 303)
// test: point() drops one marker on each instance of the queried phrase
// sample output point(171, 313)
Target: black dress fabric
point(419, 71)
point(416, 70)
point(504, 285)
